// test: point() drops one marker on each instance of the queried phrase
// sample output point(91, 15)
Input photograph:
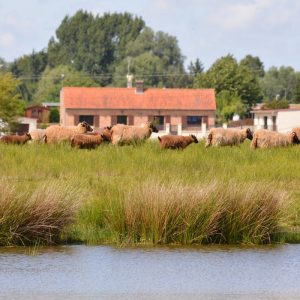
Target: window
point(122, 119)
point(194, 120)
point(88, 119)
point(159, 120)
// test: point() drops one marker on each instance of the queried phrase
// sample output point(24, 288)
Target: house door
point(265, 122)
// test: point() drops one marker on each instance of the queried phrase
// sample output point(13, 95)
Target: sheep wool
point(56, 133)
point(15, 139)
point(127, 134)
point(227, 137)
point(176, 141)
point(263, 138)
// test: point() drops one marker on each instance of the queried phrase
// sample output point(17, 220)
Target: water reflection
point(82, 272)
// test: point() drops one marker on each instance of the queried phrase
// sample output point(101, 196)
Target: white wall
point(286, 120)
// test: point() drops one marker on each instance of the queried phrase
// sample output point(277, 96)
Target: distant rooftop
point(51, 104)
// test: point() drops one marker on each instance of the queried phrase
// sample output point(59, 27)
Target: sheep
point(56, 133)
point(176, 141)
point(227, 137)
point(127, 134)
point(86, 141)
point(297, 131)
point(37, 135)
point(15, 139)
point(266, 139)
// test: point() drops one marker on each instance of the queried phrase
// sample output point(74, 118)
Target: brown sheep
point(266, 139)
point(227, 137)
point(15, 139)
point(127, 134)
point(176, 141)
point(87, 141)
point(56, 133)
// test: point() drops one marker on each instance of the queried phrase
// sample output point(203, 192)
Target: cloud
point(7, 40)
point(240, 16)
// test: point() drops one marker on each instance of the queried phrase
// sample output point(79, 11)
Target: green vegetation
point(10, 101)
point(133, 195)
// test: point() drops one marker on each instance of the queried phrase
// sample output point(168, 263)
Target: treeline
point(90, 50)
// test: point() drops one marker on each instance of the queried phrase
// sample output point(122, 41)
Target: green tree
point(196, 67)
point(254, 64)
point(228, 104)
point(154, 57)
point(28, 69)
point(227, 75)
point(54, 79)
point(279, 83)
point(296, 92)
point(54, 115)
point(93, 44)
point(11, 105)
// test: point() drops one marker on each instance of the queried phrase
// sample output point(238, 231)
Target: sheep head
point(86, 125)
point(195, 140)
point(152, 126)
point(28, 135)
point(294, 138)
point(249, 134)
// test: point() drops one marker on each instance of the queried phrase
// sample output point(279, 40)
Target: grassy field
point(145, 195)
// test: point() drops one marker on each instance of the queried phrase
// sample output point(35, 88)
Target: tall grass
point(155, 213)
point(147, 195)
point(35, 217)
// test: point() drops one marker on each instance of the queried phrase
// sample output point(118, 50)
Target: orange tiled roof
point(127, 98)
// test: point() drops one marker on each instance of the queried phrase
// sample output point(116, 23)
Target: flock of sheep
point(83, 136)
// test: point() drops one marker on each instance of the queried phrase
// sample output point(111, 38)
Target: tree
point(11, 105)
point(227, 75)
point(196, 68)
point(28, 69)
point(54, 79)
point(54, 115)
point(155, 58)
point(228, 104)
point(296, 92)
point(254, 64)
point(93, 44)
point(280, 83)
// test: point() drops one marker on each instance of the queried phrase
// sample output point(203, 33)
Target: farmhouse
point(281, 120)
point(175, 110)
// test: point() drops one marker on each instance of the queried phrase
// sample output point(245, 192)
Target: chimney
point(129, 80)
point(139, 86)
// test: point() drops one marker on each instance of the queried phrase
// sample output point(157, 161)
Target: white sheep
point(37, 135)
point(56, 133)
point(227, 137)
point(266, 139)
point(176, 141)
point(127, 134)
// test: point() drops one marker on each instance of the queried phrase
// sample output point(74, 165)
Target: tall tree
point(154, 57)
point(28, 69)
point(227, 75)
point(279, 83)
point(54, 79)
point(11, 105)
point(254, 64)
point(93, 44)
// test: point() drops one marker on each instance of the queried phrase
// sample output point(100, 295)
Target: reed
point(146, 195)
point(33, 217)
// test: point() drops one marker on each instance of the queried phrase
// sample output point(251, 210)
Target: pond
point(103, 272)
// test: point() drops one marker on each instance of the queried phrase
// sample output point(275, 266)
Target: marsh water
point(102, 272)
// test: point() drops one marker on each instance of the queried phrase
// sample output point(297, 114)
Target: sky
point(205, 29)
